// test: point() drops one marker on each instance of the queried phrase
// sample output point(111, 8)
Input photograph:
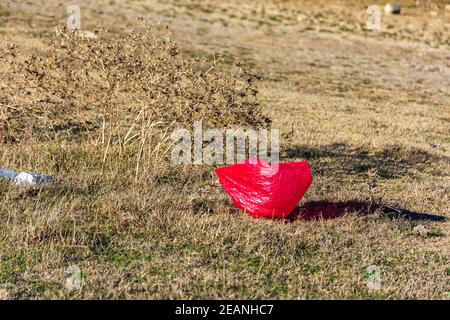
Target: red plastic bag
point(266, 190)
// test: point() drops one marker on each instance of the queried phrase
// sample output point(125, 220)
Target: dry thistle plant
point(125, 95)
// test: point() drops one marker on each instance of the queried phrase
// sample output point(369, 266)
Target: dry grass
point(371, 114)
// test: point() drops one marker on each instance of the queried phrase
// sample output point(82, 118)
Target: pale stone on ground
point(392, 8)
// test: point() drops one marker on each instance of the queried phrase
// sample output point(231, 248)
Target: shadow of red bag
point(266, 190)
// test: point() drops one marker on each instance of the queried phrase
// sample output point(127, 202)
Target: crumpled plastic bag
point(266, 190)
point(24, 178)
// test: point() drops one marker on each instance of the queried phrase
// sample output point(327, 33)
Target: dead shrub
point(125, 95)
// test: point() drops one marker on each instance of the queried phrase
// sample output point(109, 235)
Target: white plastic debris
point(74, 281)
point(87, 35)
point(24, 178)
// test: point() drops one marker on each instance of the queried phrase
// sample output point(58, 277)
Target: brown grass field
point(369, 110)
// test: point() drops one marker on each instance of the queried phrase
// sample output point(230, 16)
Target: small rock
point(433, 13)
point(300, 18)
point(391, 8)
point(421, 230)
point(4, 294)
point(447, 8)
